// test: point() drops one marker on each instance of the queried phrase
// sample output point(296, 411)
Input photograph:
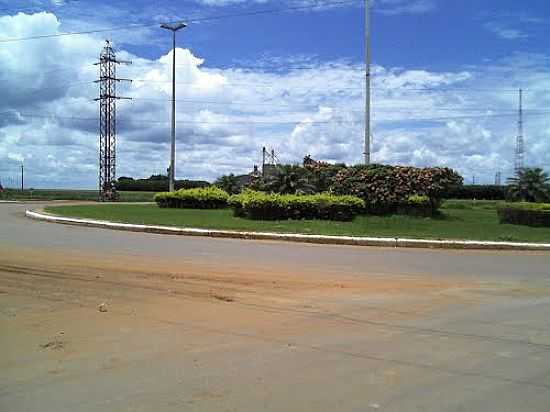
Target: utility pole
point(474, 180)
point(22, 177)
point(264, 153)
point(367, 84)
point(173, 28)
point(519, 160)
point(107, 120)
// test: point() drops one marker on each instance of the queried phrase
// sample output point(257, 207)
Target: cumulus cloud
point(463, 119)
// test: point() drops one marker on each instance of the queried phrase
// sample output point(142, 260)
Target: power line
point(252, 122)
point(290, 88)
point(259, 66)
point(198, 122)
point(37, 8)
point(388, 109)
point(265, 85)
point(188, 20)
point(374, 87)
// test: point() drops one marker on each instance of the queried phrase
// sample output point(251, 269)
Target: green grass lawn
point(460, 220)
point(67, 194)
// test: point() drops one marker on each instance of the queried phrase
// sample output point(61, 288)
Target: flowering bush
point(385, 188)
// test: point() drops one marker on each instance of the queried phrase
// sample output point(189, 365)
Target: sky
point(284, 74)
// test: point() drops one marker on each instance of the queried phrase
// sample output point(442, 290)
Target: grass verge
point(464, 220)
point(67, 194)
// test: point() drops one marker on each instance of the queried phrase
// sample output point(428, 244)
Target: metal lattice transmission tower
point(520, 149)
point(269, 160)
point(107, 120)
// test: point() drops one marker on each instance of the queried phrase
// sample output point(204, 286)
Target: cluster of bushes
point(319, 190)
point(418, 205)
point(389, 189)
point(529, 214)
point(200, 198)
point(479, 192)
point(156, 183)
point(264, 206)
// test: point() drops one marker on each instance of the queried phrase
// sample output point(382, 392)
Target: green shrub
point(156, 184)
point(528, 214)
point(417, 205)
point(263, 206)
point(471, 204)
point(201, 198)
point(479, 192)
point(385, 188)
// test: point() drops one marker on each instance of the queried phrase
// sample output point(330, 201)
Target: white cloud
point(225, 116)
point(513, 26)
point(506, 33)
point(395, 7)
point(388, 7)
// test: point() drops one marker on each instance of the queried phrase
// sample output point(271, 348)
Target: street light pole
point(172, 175)
point(367, 85)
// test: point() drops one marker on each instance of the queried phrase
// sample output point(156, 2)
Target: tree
point(530, 185)
point(229, 183)
point(159, 177)
point(289, 180)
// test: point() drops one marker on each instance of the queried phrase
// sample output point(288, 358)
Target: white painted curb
point(321, 239)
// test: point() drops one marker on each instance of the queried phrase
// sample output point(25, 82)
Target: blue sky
point(445, 75)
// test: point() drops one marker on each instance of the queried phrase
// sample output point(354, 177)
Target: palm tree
point(530, 185)
point(289, 180)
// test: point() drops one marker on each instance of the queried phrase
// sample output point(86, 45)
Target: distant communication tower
point(520, 150)
point(107, 121)
point(498, 178)
point(269, 160)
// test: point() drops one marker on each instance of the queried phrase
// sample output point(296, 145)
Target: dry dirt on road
point(180, 334)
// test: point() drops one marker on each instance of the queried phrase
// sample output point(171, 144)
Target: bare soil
point(188, 335)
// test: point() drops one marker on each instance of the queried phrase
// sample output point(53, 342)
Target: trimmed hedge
point(156, 185)
point(528, 214)
point(201, 198)
point(324, 206)
point(418, 205)
point(386, 188)
point(479, 192)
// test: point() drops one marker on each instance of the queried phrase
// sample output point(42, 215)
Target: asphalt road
point(201, 324)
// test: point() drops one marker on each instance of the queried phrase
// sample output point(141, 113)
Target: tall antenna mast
point(107, 121)
point(367, 83)
point(520, 150)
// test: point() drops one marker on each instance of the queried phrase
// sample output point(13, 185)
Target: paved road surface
point(201, 324)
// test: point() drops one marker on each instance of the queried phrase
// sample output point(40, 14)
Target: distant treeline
point(479, 192)
point(155, 183)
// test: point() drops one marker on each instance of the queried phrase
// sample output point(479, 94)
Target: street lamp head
point(173, 27)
